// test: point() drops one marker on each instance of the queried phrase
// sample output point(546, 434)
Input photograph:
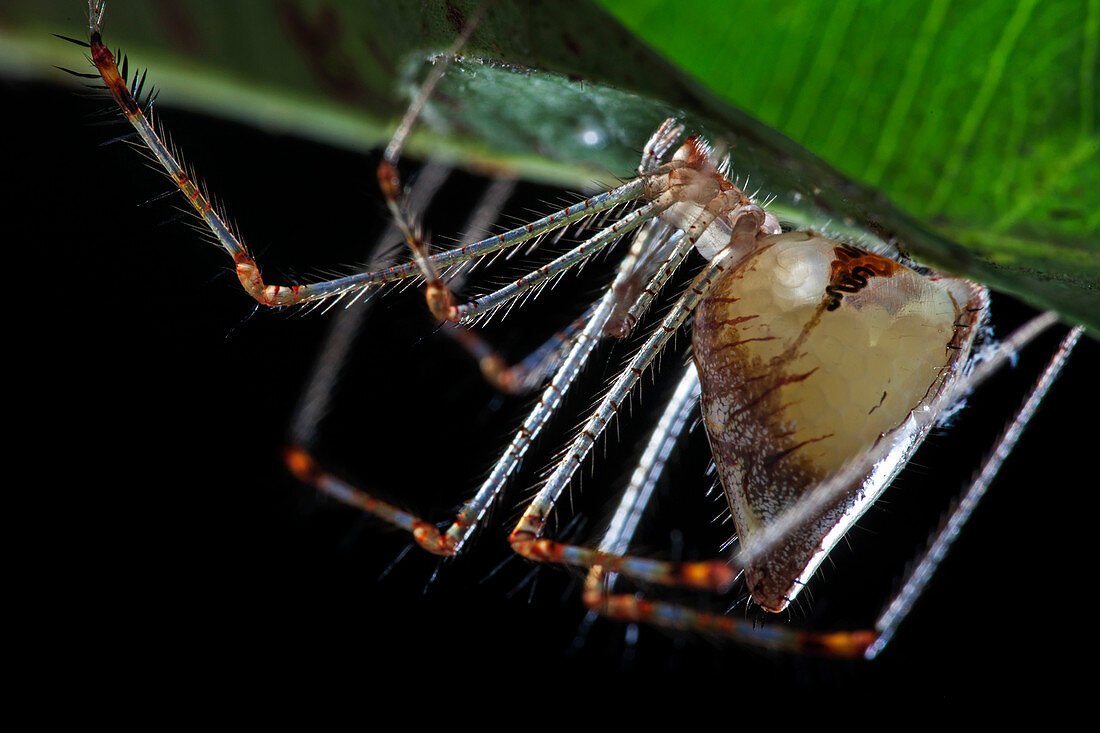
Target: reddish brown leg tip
point(842, 644)
point(301, 464)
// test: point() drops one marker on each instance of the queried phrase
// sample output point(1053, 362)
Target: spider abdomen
point(810, 353)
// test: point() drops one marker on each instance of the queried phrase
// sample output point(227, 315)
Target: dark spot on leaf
point(456, 18)
point(320, 39)
point(571, 43)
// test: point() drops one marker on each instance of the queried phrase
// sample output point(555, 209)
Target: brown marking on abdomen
point(781, 382)
point(851, 270)
point(775, 458)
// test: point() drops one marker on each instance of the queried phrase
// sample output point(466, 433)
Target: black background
point(159, 533)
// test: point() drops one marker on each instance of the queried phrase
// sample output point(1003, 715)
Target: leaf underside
point(967, 135)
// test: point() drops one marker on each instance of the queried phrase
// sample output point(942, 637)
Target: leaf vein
point(995, 70)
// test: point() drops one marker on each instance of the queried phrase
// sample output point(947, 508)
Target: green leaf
point(979, 121)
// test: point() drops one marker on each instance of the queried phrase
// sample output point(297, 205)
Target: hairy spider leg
point(473, 511)
point(279, 295)
point(746, 227)
point(450, 542)
point(316, 397)
point(867, 643)
point(643, 481)
point(485, 304)
point(535, 368)
point(599, 583)
point(829, 491)
point(248, 271)
point(314, 402)
point(438, 295)
point(526, 539)
point(899, 606)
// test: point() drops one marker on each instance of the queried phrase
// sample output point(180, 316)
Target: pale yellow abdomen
point(809, 352)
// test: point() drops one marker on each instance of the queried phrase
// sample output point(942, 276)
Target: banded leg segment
point(599, 583)
point(316, 398)
point(551, 398)
point(916, 581)
point(865, 643)
point(473, 512)
point(439, 297)
point(530, 372)
point(830, 490)
point(632, 609)
point(526, 538)
point(630, 222)
point(247, 269)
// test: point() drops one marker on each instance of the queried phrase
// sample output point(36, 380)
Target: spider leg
point(659, 144)
point(830, 490)
point(856, 643)
point(599, 583)
point(315, 399)
point(633, 609)
point(423, 264)
point(526, 375)
point(451, 541)
point(486, 304)
point(902, 602)
point(389, 180)
point(533, 370)
point(643, 480)
point(526, 538)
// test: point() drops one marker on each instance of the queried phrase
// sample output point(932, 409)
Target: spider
point(772, 308)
